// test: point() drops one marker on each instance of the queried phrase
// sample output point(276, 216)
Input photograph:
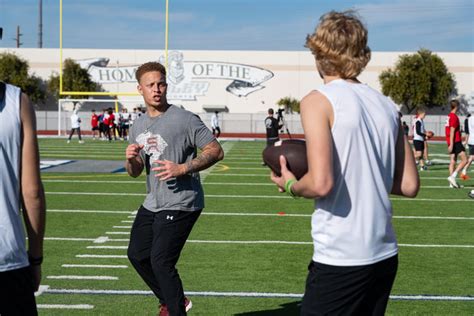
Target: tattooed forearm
point(210, 154)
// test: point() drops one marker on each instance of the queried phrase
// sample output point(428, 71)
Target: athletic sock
point(455, 174)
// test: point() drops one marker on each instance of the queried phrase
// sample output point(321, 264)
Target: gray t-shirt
point(175, 135)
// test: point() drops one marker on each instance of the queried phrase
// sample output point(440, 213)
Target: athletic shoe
point(471, 194)
point(164, 309)
point(423, 168)
point(453, 182)
point(465, 177)
point(81, 142)
point(68, 141)
point(188, 304)
point(428, 162)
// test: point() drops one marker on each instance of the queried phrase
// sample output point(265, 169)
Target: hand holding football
point(294, 151)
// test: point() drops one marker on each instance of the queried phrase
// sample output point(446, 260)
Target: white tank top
point(12, 237)
point(417, 136)
point(470, 123)
point(352, 225)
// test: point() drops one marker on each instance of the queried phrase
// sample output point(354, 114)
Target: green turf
point(274, 268)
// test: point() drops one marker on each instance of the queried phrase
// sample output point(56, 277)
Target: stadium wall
point(235, 81)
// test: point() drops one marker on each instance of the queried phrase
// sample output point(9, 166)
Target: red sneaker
point(465, 177)
point(163, 310)
point(187, 304)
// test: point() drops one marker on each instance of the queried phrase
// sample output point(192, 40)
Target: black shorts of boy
point(419, 145)
point(351, 290)
point(471, 150)
point(17, 292)
point(457, 148)
point(95, 128)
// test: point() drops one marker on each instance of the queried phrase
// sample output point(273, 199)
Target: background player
point(455, 146)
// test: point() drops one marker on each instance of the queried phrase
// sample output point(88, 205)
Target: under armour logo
point(169, 217)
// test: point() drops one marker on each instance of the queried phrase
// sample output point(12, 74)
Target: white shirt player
point(214, 121)
point(75, 120)
point(470, 123)
point(352, 226)
point(417, 136)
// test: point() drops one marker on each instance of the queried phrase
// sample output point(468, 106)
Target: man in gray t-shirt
point(164, 143)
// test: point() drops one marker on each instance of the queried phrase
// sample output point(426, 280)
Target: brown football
point(429, 134)
point(294, 151)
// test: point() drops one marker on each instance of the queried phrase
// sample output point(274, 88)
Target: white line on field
point(82, 277)
point(69, 239)
point(41, 289)
point(117, 233)
point(102, 256)
point(280, 242)
point(101, 240)
point(100, 266)
point(89, 211)
point(251, 294)
point(126, 221)
point(122, 227)
point(248, 196)
point(64, 306)
point(131, 216)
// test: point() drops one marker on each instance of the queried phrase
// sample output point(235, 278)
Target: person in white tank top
point(357, 156)
point(21, 191)
point(469, 130)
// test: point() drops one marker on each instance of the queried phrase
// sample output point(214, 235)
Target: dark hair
point(148, 67)
point(454, 104)
point(270, 111)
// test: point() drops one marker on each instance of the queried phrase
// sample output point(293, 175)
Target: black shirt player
point(272, 127)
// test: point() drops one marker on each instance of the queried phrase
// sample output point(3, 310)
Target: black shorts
point(354, 290)
point(457, 148)
point(471, 150)
point(95, 128)
point(17, 292)
point(419, 145)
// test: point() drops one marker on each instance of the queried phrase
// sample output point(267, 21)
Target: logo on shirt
point(153, 144)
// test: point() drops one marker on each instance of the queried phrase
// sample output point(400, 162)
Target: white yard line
point(82, 277)
point(102, 256)
point(250, 294)
point(243, 214)
point(100, 266)
point(64, 306)
point(117, 233)
point(245, 196)
point(124, 227)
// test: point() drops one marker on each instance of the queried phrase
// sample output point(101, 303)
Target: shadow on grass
point(287, 309)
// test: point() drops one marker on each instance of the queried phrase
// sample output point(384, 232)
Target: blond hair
point(339, 44)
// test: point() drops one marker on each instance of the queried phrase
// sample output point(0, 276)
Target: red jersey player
point(455, 146)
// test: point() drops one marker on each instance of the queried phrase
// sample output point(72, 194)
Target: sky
point(397, 25)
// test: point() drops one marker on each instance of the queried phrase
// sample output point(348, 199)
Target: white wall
point(294, 72)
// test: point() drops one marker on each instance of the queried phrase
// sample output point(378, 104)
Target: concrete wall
point(216, 78)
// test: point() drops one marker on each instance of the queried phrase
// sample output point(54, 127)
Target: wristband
point(288, 184)
point(35, 261)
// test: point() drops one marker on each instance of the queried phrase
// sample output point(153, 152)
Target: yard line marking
point(64, 306)
point(131, 216)
point(248, 242)
point(93, 181)
point(117, 233)
point(101, 240)
point(82, 277)
point(69, 239)
point(126, 221)
point(247, 196)
point(107, 247)
point(102, 256)
point(122, 227)
point(89, 211)
point(250, 294)
point(100, 266)
point(435, 217)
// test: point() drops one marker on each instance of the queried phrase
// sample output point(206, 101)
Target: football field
point(248, 253)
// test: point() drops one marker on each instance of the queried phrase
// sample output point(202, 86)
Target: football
point(294, 151)
point(429, 134)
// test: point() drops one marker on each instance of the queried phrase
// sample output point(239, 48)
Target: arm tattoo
point(210, 154)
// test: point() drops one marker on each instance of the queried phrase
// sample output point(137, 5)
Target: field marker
point(107, 247)
point(82, 277)
point(248, 196)
point(100, 266)
point(117, 233)
point(126, 221)
point(41, 290)
point(102, 256)
point(124, 227)
point(251, 294)
point(64, 306)
point(89, 211)
point(101, 240)
point(69, 239)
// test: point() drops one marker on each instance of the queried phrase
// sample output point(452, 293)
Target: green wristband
point(288, 184)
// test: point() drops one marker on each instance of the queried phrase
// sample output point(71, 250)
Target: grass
point(242, 267)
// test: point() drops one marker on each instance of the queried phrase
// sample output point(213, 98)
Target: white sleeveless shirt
point(352, 225)
point(12, 236)
point(417, 136)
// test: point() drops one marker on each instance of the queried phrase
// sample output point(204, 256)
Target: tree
point(14, 70)
point(290, 104)
point(75, 78)
point(418, 80)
